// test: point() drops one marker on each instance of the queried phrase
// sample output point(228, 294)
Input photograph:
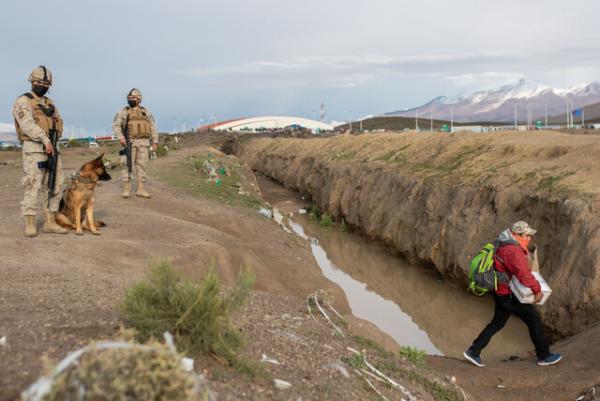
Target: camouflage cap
point(135, 93)
point(521, 227)
point(41, 75)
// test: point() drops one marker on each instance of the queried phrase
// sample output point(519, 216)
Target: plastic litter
point(265, 213)
point(187, 364)
point(265, 359)
point(339, 367)
point(282, 384)
point(302, 211)
point(277, 216)
point(2, 341)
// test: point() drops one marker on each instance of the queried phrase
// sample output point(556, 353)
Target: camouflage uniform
point(142, 133)
point(33, 127)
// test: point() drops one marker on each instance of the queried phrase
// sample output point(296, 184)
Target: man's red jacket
point(511, 259)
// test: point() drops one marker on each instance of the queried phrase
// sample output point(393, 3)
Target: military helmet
point(135, 94)
point(42, 75)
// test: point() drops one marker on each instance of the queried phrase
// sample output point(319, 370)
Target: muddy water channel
point(412, 304)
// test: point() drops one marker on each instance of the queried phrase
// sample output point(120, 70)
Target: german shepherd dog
point(80, 196)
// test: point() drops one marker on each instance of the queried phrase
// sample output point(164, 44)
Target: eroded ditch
point(413, 305)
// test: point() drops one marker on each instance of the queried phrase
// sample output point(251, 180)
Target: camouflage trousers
point(139, 160)
point(35, 183)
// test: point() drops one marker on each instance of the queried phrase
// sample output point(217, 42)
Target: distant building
point(269, 123)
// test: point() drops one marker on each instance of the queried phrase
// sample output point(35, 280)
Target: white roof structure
point(256, 124)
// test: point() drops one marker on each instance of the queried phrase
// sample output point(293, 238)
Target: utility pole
point(416, 121)
point(451, 118)
point(431, 117)
point(350, 119)
point(546, 116)
point(516, 127)
point(361, 118)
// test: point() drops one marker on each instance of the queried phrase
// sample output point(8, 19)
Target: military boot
point(50, 225)
point(141, 192)
point(126, 189)
point(30, 228)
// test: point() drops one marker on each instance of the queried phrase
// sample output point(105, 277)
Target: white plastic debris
point(265, 359)
point(500, 386)
point(169, 341)
point(2, 341)
point(187, 364)
point(302, 211)
point(277, 216)
point(265, 213)
point(339, 367)
point(282, 384)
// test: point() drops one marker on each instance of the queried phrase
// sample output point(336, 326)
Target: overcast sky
point(196, 60)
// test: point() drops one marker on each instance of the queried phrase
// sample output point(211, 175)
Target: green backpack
point(482, 275)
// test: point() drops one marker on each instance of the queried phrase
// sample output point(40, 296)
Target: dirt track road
point(57, 292)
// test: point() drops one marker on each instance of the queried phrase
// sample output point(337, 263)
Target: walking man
point(135, 128)
point(37, 122)
point(510, 258)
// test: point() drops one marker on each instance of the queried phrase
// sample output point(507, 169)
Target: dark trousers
point(505, 305)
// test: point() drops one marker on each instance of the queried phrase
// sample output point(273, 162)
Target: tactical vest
point(45, 117)
point(139, 124)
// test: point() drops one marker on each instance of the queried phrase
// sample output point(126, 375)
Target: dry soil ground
point(60, 292)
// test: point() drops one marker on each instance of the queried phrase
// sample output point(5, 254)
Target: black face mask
point(40, 90)
point(132, 103)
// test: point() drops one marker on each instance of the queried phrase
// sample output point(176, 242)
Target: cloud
point(484, 80)
point(338, 72)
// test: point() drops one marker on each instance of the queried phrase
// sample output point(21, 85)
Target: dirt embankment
point(436, 199)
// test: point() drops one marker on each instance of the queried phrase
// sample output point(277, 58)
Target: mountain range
point(498, 105)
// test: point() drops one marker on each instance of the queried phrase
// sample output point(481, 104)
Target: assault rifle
point(127, 148)
point(52, 162)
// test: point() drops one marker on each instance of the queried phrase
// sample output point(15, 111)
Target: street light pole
point(431, 118)
point(350, 119)
point(416, 121)
point(360, 120)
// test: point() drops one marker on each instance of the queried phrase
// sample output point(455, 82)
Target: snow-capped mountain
point(498, 105)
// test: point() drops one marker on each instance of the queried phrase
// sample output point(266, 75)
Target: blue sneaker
point(473, 358)
point(550, 360)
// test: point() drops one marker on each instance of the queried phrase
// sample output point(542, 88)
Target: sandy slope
point(58, 292)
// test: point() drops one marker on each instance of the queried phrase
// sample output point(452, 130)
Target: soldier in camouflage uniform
point(140, 126)
point(35, 115)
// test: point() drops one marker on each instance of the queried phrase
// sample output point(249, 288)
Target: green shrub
point(326, 220)
point(416, 356)
point(197, 315)
point(77, 144)
point(161, 150)
point(314, 212)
